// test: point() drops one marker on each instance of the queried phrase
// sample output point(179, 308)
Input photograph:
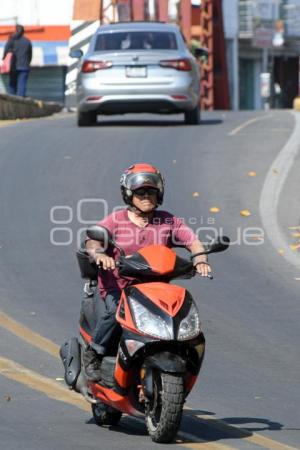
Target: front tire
point(85, 119)
point(192, 117)
point(105, 415)
point(163, 413)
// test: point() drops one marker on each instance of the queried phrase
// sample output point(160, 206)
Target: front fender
point(164, 362)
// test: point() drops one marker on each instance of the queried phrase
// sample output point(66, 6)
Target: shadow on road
point(132, 426)
point(266, 424)
point(202, 426)
point(211, 121)
point(151, 123)
point(139, 123)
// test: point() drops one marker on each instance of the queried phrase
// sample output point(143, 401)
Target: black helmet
point(141, 175)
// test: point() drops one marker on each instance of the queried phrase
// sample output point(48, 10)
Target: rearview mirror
point(76, 54)
point(218, 245)
point(98, 233)
point(101, 234)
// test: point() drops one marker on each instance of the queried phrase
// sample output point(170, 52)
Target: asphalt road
point(54, 179)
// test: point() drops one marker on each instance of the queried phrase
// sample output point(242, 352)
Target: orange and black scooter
point(156, 361)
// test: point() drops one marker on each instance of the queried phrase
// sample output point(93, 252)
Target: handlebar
point(119, 264)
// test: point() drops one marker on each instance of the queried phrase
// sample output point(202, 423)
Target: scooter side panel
point(113, 399)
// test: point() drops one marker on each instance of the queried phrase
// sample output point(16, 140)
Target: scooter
point(156, 360)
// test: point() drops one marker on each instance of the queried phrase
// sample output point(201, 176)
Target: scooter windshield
point(155, 262)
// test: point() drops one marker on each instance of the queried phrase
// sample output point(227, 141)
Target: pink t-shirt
point(164, 229)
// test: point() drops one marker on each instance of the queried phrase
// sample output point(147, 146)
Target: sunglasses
point(141, 192)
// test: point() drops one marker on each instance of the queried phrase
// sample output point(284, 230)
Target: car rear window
point(136, 40)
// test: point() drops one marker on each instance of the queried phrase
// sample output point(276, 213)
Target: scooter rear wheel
point(164, 411)
point(105, 415)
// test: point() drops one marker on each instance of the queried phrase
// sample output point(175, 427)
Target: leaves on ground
point(294, 247)
point(245, 213)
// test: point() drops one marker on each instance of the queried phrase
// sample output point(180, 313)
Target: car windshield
point(136, 40)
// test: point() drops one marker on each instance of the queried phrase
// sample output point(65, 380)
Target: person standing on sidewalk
point(21, 49)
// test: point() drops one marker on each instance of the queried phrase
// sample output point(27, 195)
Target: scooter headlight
point(149, 323)
point(190, 325)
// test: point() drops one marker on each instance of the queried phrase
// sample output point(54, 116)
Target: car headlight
point(149, 323)
point(190, 325)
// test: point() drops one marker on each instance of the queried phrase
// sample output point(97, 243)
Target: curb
point(14, 107)
point(270, 194)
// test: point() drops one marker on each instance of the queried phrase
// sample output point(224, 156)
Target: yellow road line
point(28, 335)
point(48, 346)
point(202, 444)
point(55, 391)
point(245, 435)
point(33, 380)
point(249, 122)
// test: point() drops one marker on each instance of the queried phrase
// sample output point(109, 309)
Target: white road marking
point(271, 191)
point(249, 122)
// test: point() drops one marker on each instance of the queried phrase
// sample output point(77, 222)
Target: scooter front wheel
point(105, 415)
point(163, 413)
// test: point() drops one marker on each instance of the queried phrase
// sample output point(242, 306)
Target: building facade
point(47, 25)
point(269, 49)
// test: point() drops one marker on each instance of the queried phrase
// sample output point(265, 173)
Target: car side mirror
point(76, 54)
point(201, 52)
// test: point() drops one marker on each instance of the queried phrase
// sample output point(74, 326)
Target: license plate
point(136, 71)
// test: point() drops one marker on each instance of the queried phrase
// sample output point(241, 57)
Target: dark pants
point(18, 82)
point(107, 326)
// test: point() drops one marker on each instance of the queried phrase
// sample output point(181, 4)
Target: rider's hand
point(203, 268)
point(106, 262)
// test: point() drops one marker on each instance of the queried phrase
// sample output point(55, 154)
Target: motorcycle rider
point(138, 225)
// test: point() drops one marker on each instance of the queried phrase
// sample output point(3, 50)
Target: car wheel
point(86, 119)
point(192, 117)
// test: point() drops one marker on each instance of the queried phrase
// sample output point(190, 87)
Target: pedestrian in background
point(21, 49)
